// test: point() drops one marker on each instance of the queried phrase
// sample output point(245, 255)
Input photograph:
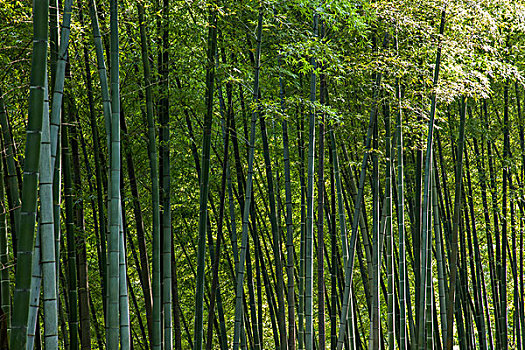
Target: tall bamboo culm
point(31, 175)
point(239, 291)
point(204, 180)
point(309, 241)
point(112, 304)
point(47, 240)
point(155, 337)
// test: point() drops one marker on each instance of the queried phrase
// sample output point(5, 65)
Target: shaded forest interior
point(262, 174)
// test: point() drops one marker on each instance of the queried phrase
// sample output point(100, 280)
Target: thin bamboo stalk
point(113, 269)
point(448, 335)
point(204, 179)
point(248, 195)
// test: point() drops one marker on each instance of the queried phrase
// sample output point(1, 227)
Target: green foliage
point(482, 50)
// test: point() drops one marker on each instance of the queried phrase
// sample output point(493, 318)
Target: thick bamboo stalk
point(165, 180)
point(113, 269)
point(31, 175)
point(59, 79)
point(47, 235)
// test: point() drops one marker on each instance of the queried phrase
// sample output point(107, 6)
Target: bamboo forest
point(262, 174)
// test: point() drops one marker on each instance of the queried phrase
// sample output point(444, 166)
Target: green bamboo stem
point(440, 257)
point(476, 260)
point(342, 227)
point(349, 265)
point(375, 267)
point(448, 340)
point(47, 235)
point(276, 247)
point(124, 321)
point(106, 103)
point(31, 174)
point(71, 241)
point(403, 336)
point(113, 269)
point(289, 227)
point(504, 220)
point(155, 337)
point(79, 220)
point(480, 165)
point(58, 69)
point(54, 16)
point(34, 294)
point(204, 182)
point(426, 209)
point(321, 307)
point(309, 241)
point(5, 295)
point(215, 290)
point(97, 205)
point(389, 235)
point(300, 286)
point(248, 194)
point(497, 257)
point(10, 170)
point(165, 181)
point(59, 79)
